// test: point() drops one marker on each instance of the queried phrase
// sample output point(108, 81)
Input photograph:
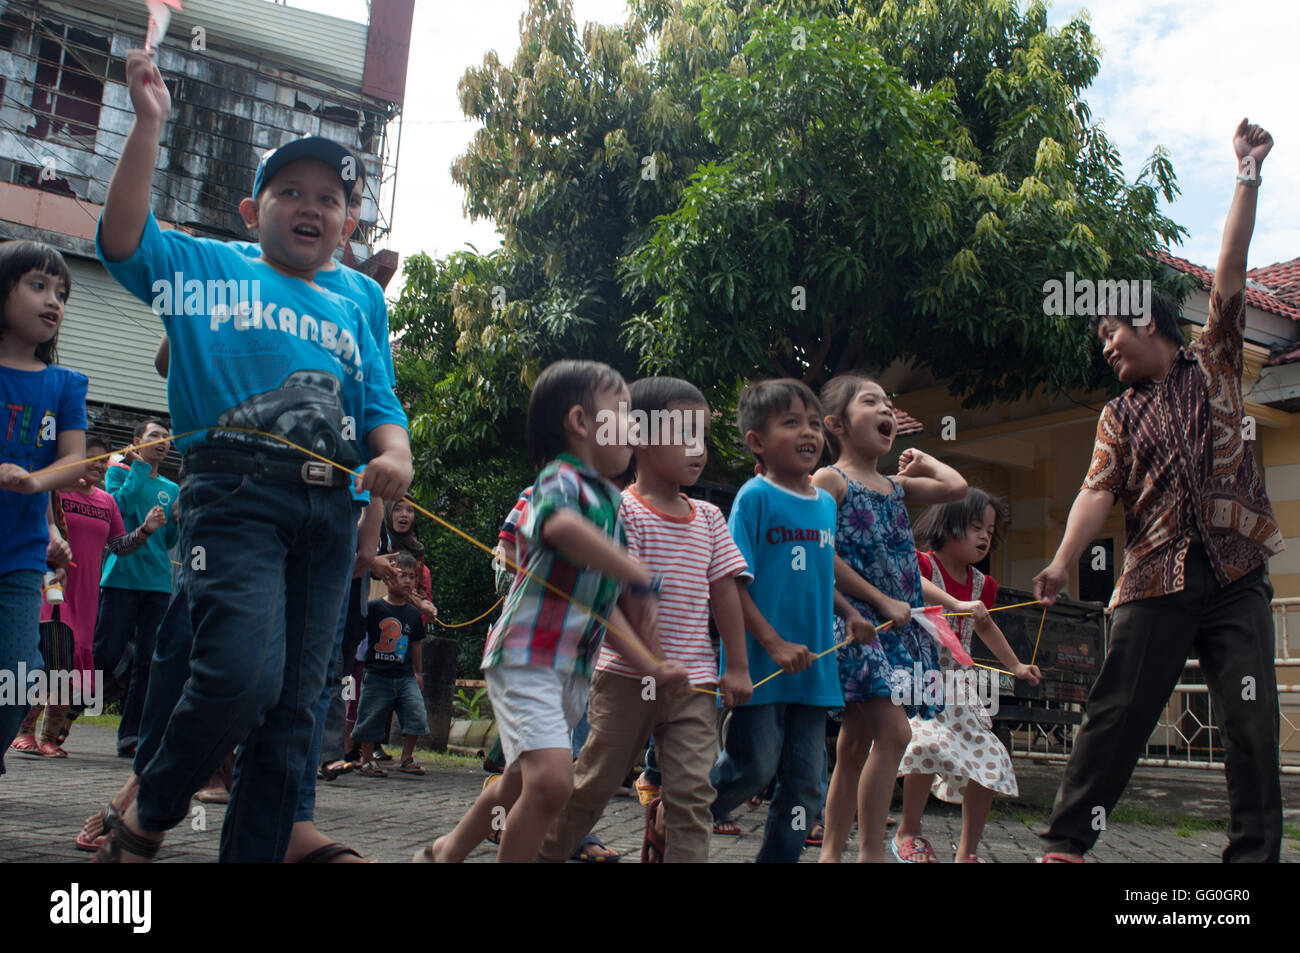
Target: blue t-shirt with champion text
point(285, 357)
point(788, 541)
point(35, 407)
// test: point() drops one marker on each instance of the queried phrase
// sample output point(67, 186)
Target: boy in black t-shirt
point(394, 672)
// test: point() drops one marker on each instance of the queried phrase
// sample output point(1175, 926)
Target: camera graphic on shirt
point(306, 409)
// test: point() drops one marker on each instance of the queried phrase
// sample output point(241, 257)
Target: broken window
point(71, 66)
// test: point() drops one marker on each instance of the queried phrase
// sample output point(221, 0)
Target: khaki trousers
point(685, 733)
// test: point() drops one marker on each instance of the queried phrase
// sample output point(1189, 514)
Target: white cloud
point(1182, 73)
point(1178, 73)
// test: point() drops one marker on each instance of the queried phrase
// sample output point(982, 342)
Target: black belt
point(262, 467)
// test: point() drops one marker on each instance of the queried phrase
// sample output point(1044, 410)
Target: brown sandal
point(122, 838)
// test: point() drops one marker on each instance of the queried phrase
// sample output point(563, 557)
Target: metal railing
point(1187, 736)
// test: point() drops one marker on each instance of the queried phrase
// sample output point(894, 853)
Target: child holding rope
point(268, 536)
point(874, 538)
point(785, 529)
point(970, 764)
point(45, 408)
point(540, 653)
point(687, 542)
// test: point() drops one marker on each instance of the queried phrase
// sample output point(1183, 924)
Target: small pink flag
point(160, 14)
point(931, 618)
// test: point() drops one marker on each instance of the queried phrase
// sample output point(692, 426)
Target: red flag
point(931, 618)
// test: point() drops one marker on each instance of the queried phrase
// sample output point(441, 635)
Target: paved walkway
point(43, 802)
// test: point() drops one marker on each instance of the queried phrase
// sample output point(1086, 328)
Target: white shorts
point(535, 707)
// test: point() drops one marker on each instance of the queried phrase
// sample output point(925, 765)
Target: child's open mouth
point(51, 318)
point(809, 449)
point(886, 429)
point(307, 231)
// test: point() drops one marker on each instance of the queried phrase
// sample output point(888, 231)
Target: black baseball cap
point(339, 158)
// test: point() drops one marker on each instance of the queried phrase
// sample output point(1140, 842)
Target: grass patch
point(440, 759)
point(1291, 830)
point(111, 721)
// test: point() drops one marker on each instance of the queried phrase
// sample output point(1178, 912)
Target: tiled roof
point(907, 424)
point(1280, 296)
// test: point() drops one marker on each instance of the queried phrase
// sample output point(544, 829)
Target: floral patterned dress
point(958, 744)
point(873, 535)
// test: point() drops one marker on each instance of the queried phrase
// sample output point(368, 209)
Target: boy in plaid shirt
point(540, 653)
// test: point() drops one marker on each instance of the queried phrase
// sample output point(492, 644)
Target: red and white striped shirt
point(691, 551)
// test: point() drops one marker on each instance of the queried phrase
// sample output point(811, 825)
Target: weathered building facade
point(245, 76)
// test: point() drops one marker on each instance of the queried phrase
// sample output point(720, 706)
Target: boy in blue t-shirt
point(785, 528)
point(266, 535)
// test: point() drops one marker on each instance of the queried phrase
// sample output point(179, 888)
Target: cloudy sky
point(1177, 73)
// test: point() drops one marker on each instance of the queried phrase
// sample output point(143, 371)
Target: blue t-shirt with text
point(254, 349)
point(35, 407)
point(788, 541)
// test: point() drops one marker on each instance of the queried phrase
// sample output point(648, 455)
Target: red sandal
point(51, 749)
point(25, 744)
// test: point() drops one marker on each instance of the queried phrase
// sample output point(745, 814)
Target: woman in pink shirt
point(91, 523)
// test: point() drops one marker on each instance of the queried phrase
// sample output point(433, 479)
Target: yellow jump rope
point(646, 653)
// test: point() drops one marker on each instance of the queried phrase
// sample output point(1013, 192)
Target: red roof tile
point(907, 424)
point(1285, 304)
point(1282, 278)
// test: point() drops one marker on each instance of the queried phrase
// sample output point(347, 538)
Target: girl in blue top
point(873, 539)
point(42, 424)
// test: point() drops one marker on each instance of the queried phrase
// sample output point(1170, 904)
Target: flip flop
point(816, 835)
point(25, 744)
point(586, 857)
point(908, 853)
point(1053, 857)
point(108, 817)
point(51, 749)
point(726, 828)
point(326, 854)
point(652, 845)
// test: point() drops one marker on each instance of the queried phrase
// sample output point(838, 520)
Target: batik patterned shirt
point(1173, 452)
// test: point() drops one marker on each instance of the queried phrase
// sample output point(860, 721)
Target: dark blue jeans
point(20, 621)
point(264, 606)
point(329, 709)
point(167, 676)
point(129, 616)
point(785, 740)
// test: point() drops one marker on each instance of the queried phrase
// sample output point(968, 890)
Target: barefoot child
point(540, 652)
point(970, 765)
point(276, 533)
point(45, 426)
point(1198, 532)
point(785, 529)
point(687, 542)
point(874, 539)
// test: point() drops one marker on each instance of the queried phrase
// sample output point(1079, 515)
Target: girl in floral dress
point(875, 549)
point(956, 752)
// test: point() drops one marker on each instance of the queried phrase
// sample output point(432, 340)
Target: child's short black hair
point(656, 393)
point(405, 560)
point(760, 400)
point(16, 259)
point(944, 522)
point(95, 439)
point(558, 388)
point(1164, 312)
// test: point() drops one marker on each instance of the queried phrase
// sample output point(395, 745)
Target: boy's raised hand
point(155, 519)
point(1251, 141)
point(149, 96)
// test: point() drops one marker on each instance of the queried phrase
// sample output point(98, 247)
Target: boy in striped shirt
point(539, 654)
point(687, 541)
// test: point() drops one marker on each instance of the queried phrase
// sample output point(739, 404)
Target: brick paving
point(43, 802)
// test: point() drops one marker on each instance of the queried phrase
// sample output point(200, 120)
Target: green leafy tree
point(898, 181)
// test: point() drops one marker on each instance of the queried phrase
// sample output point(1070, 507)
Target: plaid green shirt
point(537, 626)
